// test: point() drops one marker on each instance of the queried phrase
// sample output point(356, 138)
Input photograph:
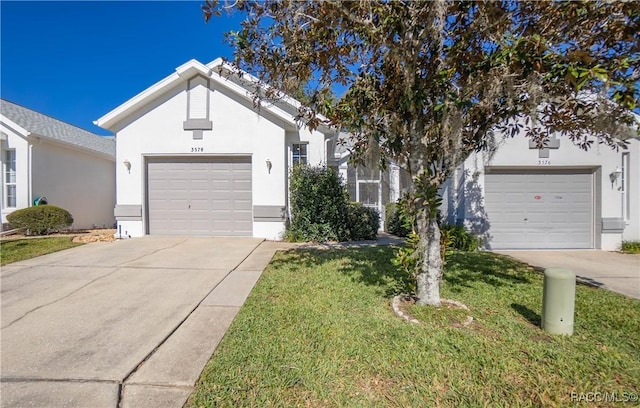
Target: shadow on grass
point(464, 268)
point(528, 314)
point(373, 266)
point(369, 265)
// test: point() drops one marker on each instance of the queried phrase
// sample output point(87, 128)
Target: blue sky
point(78, 60)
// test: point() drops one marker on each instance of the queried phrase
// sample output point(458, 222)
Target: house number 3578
point(197, 149)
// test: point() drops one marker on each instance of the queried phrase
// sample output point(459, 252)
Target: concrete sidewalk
point(609, 270)
point(124, 324)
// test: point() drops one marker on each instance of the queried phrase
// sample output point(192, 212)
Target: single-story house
point(522, 197)
point(195, 156)
point(45, 157)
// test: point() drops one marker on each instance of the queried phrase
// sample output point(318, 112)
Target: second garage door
point(199, 196)
point(540, 209)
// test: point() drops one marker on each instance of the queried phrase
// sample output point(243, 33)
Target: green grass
point(631, 247)
point(21, 249)
point(318, 331)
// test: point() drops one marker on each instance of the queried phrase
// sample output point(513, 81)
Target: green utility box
point(558, 301)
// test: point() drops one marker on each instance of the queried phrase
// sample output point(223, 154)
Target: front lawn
point(21, 249)
point(318, 331)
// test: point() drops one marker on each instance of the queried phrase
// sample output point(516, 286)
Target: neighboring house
point(520, 197)
point(45, 157)
point(560, 197)
point(196, 157)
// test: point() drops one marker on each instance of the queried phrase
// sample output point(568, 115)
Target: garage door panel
point(242, 185)
point(556, 209)
point(200, 185)
point(220, 185)
point(222, 205)
point(200, 205)
point(198, 196)
point(242, 205)
point(176, 186)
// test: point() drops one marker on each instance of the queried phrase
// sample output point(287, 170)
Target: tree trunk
point(428, 278)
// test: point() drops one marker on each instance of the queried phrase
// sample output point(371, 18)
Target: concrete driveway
point(610, 270)
point(123, 324)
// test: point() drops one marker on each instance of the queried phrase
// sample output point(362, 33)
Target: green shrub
point(457, 237)
point(407, 259)
point(395, 220)
point(363, 222)
point(319, 205)
point(631, 247)
point(41, 219)
point(452, 237)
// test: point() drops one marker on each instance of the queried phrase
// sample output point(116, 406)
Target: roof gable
point(56, 130)
point(212, 70)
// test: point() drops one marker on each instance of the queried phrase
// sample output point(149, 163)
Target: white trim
point(13, 126)
point(625, 186)
point(219, 62)
point(191, 67)
point(5, 183)
point(241, 91)
point(188, 70)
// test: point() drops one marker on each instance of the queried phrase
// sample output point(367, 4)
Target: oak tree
point(427, 83)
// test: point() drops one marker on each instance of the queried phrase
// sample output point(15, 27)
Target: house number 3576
point(197, 149)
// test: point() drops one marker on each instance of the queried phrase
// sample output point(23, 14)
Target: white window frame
point(6, 162)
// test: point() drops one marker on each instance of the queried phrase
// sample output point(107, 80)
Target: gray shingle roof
point(47, 126)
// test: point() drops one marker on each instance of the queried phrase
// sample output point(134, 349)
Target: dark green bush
point(319, 205)
point(363, 222)
point(41, 219)
point(395, 221)
point(320, 209)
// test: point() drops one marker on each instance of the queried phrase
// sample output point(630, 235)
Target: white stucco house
point(521, 197)
point(196, 157)
point(45, 157)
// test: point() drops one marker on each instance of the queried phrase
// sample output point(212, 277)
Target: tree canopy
point(427, 83)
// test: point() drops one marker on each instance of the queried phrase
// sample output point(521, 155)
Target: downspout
point(287, 166)
point(30, 173)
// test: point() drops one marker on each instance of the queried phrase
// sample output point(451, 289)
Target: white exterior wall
point(237, 130)
point(79, 182)
point(23, 170)
point(515, 153)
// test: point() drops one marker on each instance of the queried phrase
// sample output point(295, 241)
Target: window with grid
point(364, 185)
point(10, 198)
point(299, 151)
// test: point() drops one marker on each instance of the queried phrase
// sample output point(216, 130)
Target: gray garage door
point(540, 209)
point(199, 196)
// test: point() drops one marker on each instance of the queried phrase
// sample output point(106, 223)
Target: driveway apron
point(609, 270)
point(128, 323)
